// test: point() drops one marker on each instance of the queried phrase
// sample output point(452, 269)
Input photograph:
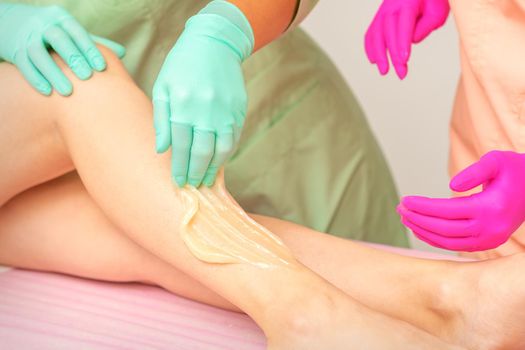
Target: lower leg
point(113, 155)
point(105, 130)
point(57, 227)
point(61, 216)
point(444, 298)
point(366, 271)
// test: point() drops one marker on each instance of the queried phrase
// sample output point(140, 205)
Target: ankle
point(452, 287)
point(311, 307)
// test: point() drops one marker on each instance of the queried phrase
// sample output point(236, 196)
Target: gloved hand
point(396, 25)
point(199, 97)
point(26, 33)
point(480, 221)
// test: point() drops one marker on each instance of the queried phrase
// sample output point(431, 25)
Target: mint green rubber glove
point(26, 34)
point(199, 96)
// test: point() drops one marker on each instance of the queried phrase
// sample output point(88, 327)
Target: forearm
point(268, 19)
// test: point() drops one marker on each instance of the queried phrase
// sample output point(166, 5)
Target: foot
point(489, 302)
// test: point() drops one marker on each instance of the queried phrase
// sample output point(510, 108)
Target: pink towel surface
point(51, 311)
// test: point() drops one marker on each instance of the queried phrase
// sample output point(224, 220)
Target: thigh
point(31, 149)
point(57, 227)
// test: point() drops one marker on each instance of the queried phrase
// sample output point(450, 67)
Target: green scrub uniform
point(306, 155)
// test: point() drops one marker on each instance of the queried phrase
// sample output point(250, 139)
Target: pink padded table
point(52, 311)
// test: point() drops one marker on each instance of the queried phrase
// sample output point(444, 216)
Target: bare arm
point(269, 19)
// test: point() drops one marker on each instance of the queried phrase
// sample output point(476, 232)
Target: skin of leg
point(41, 221)
point(57, 227)
point(39, 132)
point(26, 159)
point(106, 129)
point(60, 216)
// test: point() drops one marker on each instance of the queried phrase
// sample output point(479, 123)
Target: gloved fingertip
point(64, 87)
point(209, 180)
point(461, 183)
point(162, 141)
point(44, 89)
point(180, 180)
point(404, 55)
point(194, 182)
point(99, 63)
point(383, 67)
point(65, 91)
point(160, 146)
point(418, 37)
point(118, 49)
point(85, 73)
point(407, 202)
point(454, 186)
point(401, 71)
point(121, 52)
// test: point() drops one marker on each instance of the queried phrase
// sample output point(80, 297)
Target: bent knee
point(102, 86)
point(114, 68)
point(114, 63)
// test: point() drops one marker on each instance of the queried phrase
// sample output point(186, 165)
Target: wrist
point(225, 22)
point(232, 13)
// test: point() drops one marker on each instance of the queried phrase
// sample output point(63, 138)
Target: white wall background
point(409, 118)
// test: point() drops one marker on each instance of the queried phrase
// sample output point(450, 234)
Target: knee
point(114, 68)
point(114, 63)
point(102, 86)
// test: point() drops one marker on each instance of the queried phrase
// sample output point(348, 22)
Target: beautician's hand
point(26, 34)
point(480, 221)
point(396, 25)
point(199, 97)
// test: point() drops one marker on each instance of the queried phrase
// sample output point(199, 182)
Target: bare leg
point(59, 216)
point(441, 297)
point(104, 129)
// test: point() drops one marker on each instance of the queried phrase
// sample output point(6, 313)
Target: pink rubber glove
point(480, 221)
point(396, 25)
